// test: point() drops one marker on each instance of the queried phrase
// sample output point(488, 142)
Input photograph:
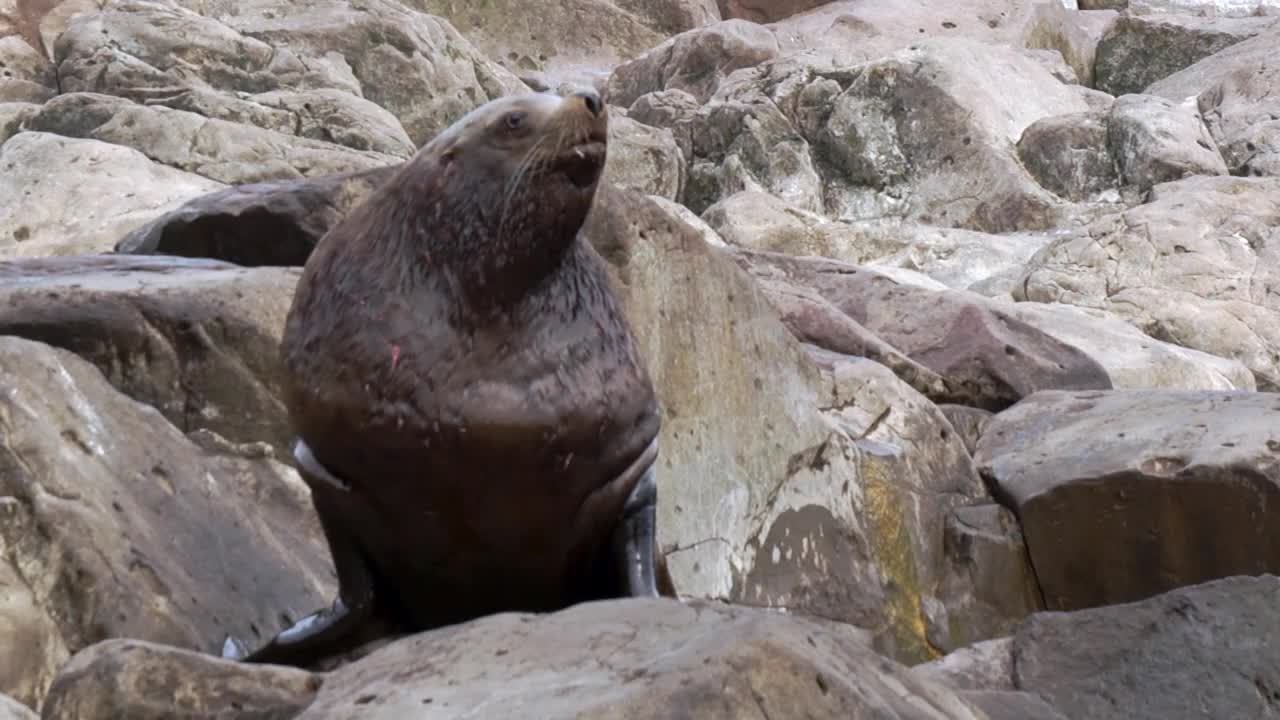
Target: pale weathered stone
point(1133, 359)
point(1073, 33)
point(1139, 50)
point(575, 40)
point(1195, 266)
point(695, 61)
point(414, 65)
point(1177, 487)
point(277, 222)
point(987, 359)
point(220, 150)
point(762, 458)
point(61, 195)
point(1152, 140)
point(13, 115)
point(986, 665)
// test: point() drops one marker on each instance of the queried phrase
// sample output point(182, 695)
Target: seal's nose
point(592, 101)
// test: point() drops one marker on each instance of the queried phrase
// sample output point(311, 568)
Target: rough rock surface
point(1236, 92)
point(645, 159)
point(1213, 649)
point(1142, 49)
point(818, 524)
point(1177, 488)
point(221, 150)
point(991, 586)
point(987, 359)
point(576, 40)
point(954, 257)
point(634, 659)
point(61, 196)
point(14, 115)
point(927, 134)
point(764, 11)
point(695, 61)
point(1132, 359)
point(270, 223)
point(1196, 266)
point(1068, 155)
point(411, 64)
point(117, 525)
point(1075, 35)
point(195, 339)
point(1152, 140)
point(146, 681)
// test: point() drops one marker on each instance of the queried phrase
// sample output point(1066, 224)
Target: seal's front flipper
point(337, 628)
point(635, 538)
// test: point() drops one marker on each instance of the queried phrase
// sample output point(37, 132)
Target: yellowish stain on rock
point(891, 543)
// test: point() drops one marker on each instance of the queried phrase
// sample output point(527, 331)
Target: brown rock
point(1177, 488)
point(988, 359)
point(1005, 705)
point(195, 339)
point(694, 61)
point(633, 660)
point(145, 681)
point(1211, 651)
point(1074, 33)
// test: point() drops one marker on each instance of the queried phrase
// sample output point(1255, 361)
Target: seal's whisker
point(529, 162)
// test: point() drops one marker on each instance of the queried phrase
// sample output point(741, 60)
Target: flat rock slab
point(1210, 651)
point(1127, 494)
point(196, 339)
point(988, 359)
point(633, 659)
point(147, 681)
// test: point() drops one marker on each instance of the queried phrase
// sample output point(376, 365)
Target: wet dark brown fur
point(455, 352)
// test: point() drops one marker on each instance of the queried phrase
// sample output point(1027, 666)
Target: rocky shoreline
point(964, 317)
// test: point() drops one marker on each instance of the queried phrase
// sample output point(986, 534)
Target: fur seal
point(472, 414)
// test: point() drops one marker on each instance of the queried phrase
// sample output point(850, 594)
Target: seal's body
point(474, 419)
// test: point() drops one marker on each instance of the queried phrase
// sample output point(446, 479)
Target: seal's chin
point(582, 163)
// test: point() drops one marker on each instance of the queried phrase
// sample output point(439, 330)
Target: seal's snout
point(592, 101)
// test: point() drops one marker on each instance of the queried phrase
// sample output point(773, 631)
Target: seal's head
point(516, 175)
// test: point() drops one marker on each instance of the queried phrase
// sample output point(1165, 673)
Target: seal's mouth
point(583, 163)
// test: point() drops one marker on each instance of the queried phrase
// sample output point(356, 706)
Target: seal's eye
point(515, 120)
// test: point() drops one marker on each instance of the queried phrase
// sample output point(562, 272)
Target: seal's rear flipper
point(635, 538)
